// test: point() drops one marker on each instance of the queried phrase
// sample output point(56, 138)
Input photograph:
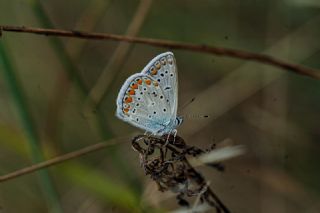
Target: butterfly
point(149, 99)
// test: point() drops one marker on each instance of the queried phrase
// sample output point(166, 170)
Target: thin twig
point(249, 78)
point(9, 72)
point(62, 158)
point(116, 60)
point(112, 69)
point(302, 70)
point(90, 17)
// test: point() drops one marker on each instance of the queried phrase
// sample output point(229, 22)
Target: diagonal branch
point(240, 54)
point(63, 158)
point(110, 71)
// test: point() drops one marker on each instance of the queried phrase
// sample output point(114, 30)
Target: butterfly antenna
point(187, 103)
point(191, 116)
point(195, 117)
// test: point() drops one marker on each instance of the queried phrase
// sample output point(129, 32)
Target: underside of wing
point(164, 70)
point(142, 103)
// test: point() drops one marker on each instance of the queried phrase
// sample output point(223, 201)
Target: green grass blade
point(102, 186)
point(27, 123)
point(101, 125)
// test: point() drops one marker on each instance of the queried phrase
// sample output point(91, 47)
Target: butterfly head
point(178, 121)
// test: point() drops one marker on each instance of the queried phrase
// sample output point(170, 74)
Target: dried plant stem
point(119, 56)
point(164, 161)
point(111, 69)
point(34, 145)
point(265, 59)
point(61, 158)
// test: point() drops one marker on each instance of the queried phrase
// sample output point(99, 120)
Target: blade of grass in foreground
point(101, 185)
point(27, 123)
point(58, 47)
point(101, 125)
point(98, 184)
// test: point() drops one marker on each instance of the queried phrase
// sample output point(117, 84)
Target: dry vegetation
point(62, 148)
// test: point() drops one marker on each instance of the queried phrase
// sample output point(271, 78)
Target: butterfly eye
point(163, 61)
point(170, 59)
point(158, 65)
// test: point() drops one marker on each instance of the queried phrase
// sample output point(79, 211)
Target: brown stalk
point(220, 51)
point(62, 158)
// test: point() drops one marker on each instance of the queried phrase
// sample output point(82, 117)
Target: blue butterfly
point(149, 100)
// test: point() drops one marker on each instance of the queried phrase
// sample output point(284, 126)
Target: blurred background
point(47, 85)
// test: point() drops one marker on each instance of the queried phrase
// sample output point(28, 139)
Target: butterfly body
point(148, 100)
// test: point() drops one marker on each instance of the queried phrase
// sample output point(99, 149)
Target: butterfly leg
point(175, 132)
point(167, 140)
point(168, 137)
point(172, 132)
point(147, 133)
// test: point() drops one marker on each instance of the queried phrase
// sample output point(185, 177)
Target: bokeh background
point(47, 83)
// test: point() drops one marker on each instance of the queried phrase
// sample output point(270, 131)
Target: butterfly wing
point(164, 70)
point(142, 103)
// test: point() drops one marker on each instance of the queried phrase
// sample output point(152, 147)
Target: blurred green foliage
point(45, 82)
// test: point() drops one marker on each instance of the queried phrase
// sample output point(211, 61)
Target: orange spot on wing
point(148, 82)
point(139, 81)
point(128, 99)
point(163, 61)
point(158, 65)
point(126, 110)
point(134, 86)
point(153, 71)
point(131, 92)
